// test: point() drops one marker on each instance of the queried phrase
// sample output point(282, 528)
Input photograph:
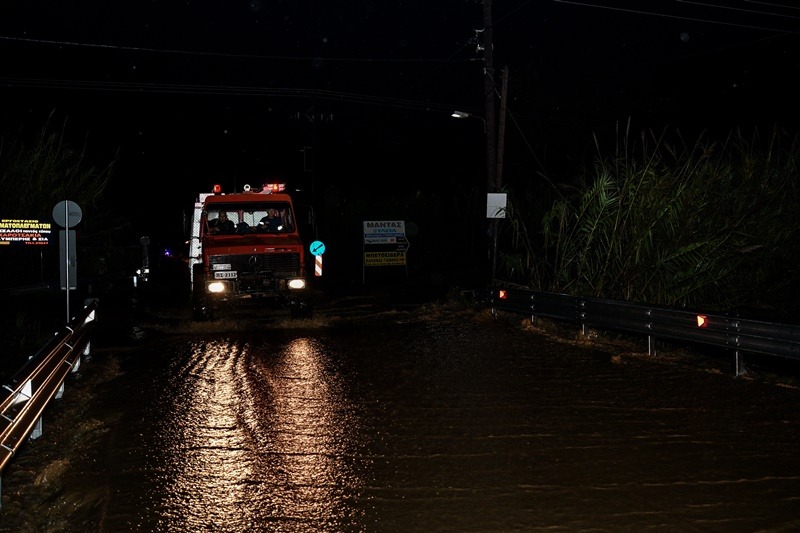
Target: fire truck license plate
point(225, 275)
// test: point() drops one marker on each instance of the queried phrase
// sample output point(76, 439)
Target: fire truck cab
point(254, 256)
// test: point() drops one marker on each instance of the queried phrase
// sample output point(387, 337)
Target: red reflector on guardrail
point(702, 321)
point(502, 294)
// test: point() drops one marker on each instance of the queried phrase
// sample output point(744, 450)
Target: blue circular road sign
point(317, 248)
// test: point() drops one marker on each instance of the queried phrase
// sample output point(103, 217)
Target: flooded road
point(443, 419)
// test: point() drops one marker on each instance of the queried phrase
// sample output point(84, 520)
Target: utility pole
point(498, 177)
point(491, 128)
point(494, 149)
point(501, 136)
point(488, 92)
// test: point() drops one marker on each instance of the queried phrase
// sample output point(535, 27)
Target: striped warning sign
point(317, 265)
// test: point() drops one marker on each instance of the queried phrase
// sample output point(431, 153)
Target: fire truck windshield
point(262, 217)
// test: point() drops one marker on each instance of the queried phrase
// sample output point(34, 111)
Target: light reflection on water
point(257, 438)
point(209, 464)
point(306, 435)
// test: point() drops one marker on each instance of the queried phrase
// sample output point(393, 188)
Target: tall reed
point(713, 223)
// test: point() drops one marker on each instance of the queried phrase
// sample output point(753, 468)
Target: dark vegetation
point(708, 224)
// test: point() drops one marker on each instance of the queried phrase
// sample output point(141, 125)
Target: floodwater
point(443, 419)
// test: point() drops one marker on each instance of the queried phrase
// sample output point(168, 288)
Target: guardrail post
point(533, 309)
point(651, 345)
point(37, 429)
point(89, 318)
point(738, 360)
point(24, 394)
point(60, 391)
point(739, 364)
point(581, 312)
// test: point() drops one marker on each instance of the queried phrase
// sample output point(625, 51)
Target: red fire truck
point(246, 247)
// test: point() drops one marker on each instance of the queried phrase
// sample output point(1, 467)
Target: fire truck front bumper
point(234, 289)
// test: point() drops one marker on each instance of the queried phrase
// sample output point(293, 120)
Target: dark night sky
point(191, 92)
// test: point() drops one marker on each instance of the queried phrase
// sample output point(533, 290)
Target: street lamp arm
point(464, 114)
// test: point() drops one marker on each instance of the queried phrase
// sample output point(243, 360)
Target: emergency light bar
point(267, 188)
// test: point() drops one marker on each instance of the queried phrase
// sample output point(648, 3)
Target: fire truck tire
point(200, 308)
point(300, 309)
point(202, 314)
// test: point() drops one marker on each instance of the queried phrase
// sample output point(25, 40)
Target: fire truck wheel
point(201, 314)
point(300, 309)
point(200, 309)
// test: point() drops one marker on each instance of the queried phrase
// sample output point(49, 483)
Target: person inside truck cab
point(272, 222)
point(222, 224)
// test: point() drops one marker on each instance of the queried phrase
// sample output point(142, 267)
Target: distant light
point(502, 294)
point(217, 188)
point(702, 321)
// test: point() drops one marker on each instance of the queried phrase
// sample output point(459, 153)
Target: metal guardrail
point(738, 334)
point(25, 397)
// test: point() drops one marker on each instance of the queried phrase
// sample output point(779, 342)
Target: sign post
point(317, 248)
point(496, 204)
point(67, 214)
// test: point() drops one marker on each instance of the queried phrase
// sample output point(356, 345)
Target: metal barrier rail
point(737, 334)
point(41, 379)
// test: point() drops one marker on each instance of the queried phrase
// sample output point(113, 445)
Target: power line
point(524, 138)
point(220, 54)
point(672, 16)
point(507, 15)
point(202, 90)
point(217, 90)
point(784, 6)
point(740, 9)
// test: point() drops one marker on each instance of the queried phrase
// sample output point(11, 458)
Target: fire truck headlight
point(297, 283)
point(216, 287)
